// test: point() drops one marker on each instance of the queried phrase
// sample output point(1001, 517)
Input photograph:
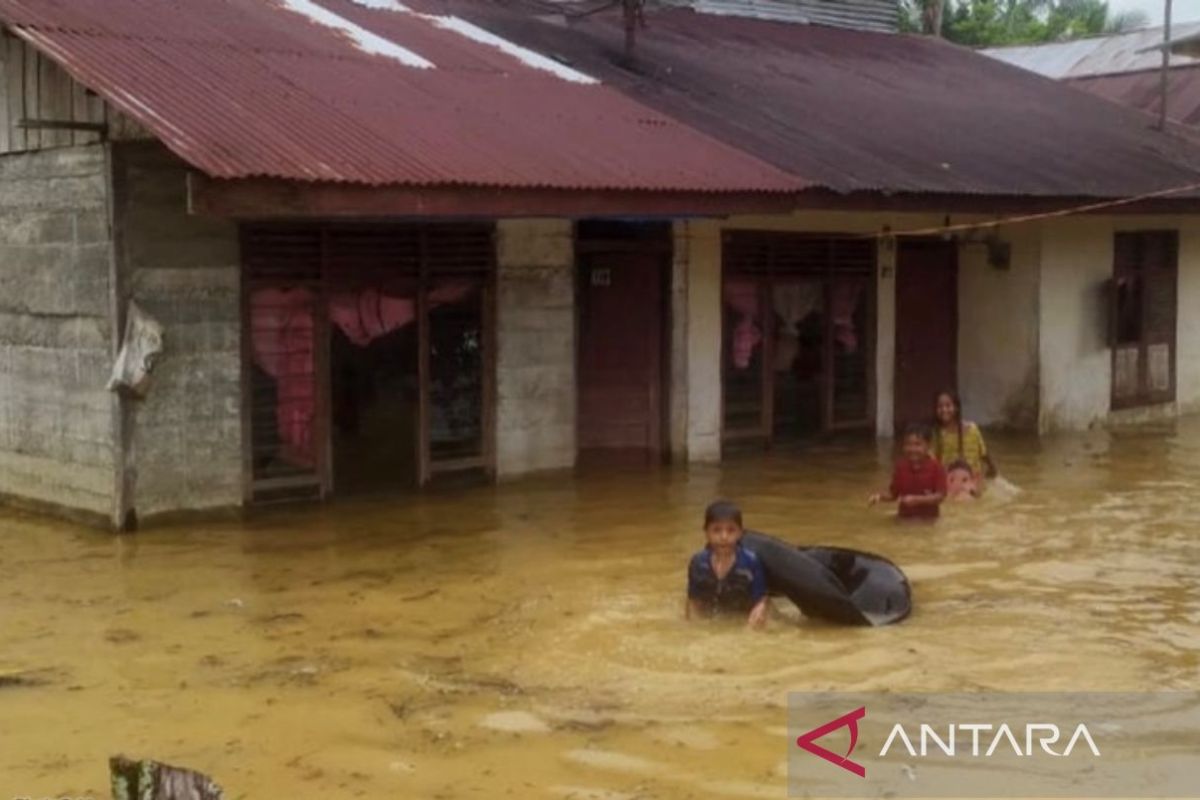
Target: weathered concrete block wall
point(535, 364)
point(56, 417)
point(183, 270)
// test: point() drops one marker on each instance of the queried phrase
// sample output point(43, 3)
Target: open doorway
point(375, 397)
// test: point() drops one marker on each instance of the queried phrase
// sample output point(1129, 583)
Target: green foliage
point(992, 23)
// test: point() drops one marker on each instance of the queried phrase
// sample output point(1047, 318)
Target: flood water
point(527, 640)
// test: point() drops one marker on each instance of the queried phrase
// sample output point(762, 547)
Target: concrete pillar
point(703, 354)
point(678, 411)
point(1187, 331)
point(885, 338)
point(535, 364)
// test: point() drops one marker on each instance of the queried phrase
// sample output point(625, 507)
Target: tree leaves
point(992, 23)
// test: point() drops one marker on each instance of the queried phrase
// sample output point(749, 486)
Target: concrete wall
point(56, 417)
point(186, 435)
point(535, 365)
point(1075, 361)
point(1187, 332)
point(998, 331)
point(1074, 358)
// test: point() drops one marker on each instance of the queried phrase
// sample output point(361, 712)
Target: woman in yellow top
point(956, 440)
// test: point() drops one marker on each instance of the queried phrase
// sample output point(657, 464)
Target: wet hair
point(722, 511)
point(937, 423)
point(957, 464)
point(918, 430)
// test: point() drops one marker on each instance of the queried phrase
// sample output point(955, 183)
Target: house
point(389, 243)
point(1125, 68)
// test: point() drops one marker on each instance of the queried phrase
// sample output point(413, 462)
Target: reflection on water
point(527, 640)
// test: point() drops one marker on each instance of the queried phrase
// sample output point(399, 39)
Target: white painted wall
point(535, 363)
point(1187, 357)
point(703, 356)
point(998, 331)
point(1075, 369)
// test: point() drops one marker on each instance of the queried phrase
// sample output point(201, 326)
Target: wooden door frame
point(1144, 397)
point(663, 251)
point(953, 247)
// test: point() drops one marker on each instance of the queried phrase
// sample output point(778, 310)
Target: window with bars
point(1143, 304)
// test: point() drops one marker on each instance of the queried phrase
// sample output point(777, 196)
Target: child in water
point(956, 440)
point(724, 577)
point(918, 481)
point(960, 481)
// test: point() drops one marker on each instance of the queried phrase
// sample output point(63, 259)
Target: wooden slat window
point(1143, 310)
point(798, 334)
point(292, 271)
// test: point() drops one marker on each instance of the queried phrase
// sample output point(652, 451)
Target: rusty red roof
point(859, 111)
point(1143, 91)
point(370, 92)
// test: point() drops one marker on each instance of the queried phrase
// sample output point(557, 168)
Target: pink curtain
point(281, 322)
point(846, 297)
point(283, 341)
point(368, 315)
point(742, 297)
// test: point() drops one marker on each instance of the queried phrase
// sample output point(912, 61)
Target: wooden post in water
point(150, 780)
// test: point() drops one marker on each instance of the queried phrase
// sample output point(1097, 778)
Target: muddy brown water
point(527, 640)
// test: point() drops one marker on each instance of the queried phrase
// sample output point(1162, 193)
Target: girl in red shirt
point(918, 481)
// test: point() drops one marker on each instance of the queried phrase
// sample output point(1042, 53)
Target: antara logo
point(808, 741)
point(1038, 738)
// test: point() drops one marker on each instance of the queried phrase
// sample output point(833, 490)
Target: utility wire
point(1062, 212)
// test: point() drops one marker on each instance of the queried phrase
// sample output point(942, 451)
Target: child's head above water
point(915, 443)
point(947, 408)
point(960, 480)
point(722, 525)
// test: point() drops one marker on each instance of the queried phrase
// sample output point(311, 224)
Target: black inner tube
point(837, 584)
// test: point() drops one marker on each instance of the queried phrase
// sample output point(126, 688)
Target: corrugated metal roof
point(856, 111)
point(371, 92)
point(1185, 44)
point(869, 15)
point(1100, 55)
point(1143, 91)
